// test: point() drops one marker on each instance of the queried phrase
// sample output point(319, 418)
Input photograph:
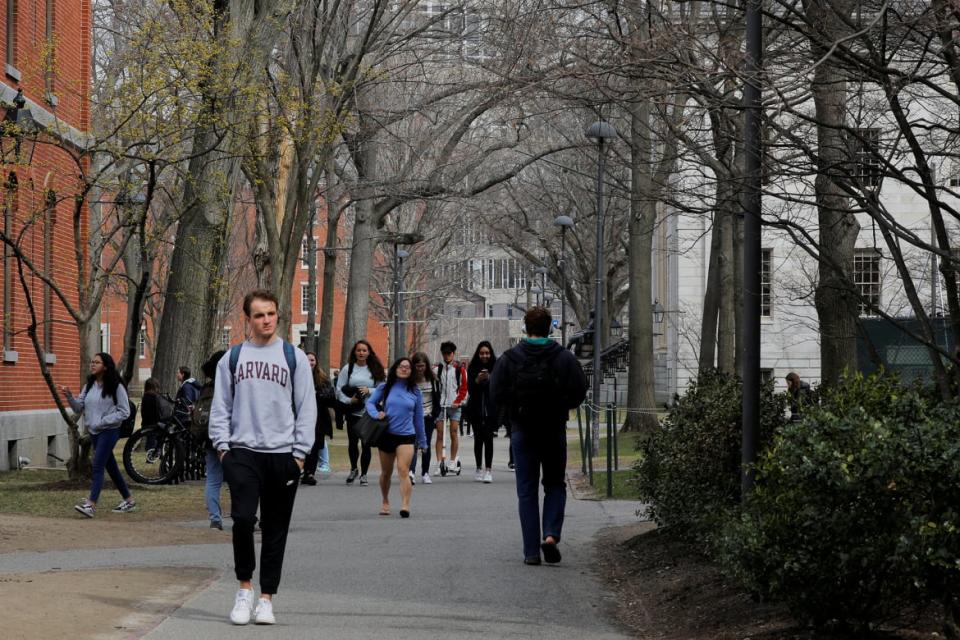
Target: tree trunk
point(329, 284)
point(726, 338)
point(361, 254)
point(643, 217)
point(711, 302)
point(835, 298)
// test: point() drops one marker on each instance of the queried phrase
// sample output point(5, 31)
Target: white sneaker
point(487, 477)
point(426, 479)
point(242, 606)
point(478, 476)
point(457, 467)
point(264, 612)
point(413, 477)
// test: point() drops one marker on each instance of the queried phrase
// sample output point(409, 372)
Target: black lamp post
point(18, 123)
point(398, 338)
point(601, 133)
point(564, 222)
point(658, 312)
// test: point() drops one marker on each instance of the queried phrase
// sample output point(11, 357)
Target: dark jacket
point(799, 398)
point(149, 410)
point(479, 406)
point(325, 400)
point(570, 379)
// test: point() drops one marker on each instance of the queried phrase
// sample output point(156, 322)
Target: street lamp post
point(600, 132)
point(398, 337)
point(564, 222)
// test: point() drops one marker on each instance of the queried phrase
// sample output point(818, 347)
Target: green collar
point(538, 341)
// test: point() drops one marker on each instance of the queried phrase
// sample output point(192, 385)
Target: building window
point(766, 375)
point(142, 343)
point(50, 54)
point(305, 299)
point(225, 337)
point(305, 253)
point(9, 209)
point(766, 297)
point(49, 220)
point(866, 278)
point(867, 168)
point(105, 337)
point(11, 35)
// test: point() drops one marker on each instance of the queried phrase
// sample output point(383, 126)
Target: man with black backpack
point(537, 383)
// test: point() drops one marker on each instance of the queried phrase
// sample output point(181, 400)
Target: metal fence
point(884, 344)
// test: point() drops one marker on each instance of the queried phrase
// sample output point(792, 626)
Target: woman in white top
point(105, 405)
point(357, 380)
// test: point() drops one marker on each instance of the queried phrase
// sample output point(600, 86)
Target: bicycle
point(175, 455)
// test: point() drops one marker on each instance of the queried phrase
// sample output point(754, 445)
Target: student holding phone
point(482, 412)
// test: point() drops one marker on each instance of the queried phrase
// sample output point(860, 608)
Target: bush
point(855, 513)
point(689, 473)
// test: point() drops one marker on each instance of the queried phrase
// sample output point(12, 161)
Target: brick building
point(46, 48)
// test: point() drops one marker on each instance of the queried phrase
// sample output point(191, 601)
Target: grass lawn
point(623, 488)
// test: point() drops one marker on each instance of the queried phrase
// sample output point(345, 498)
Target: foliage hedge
point(689, 470)
point(856, 512)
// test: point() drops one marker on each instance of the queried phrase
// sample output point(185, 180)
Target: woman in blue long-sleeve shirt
point(105, 406)
point(400, 402)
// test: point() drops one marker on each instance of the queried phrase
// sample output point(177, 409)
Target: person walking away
point(262, 422)
point(482, 413)
point(200, 423)
point(105, 405)
point(399, 402)
point(799, 395)
point(453, 390)
point(430, 393)
point(357, 379)
point(323, 389)
point(187, 394)
point(539, 382)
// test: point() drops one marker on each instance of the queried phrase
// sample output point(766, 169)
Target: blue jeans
point(214, 482)
point(103, 459)
point(325, 455)
point(533, 452)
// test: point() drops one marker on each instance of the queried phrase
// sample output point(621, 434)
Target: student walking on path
point(200, 423)
point(262, 423)
point(105, 405)
point(482, 412)
point(539, 382)
point(399, 402)
point(453, 390)
point(357, 379)
point(430, 393)
point(319, 454)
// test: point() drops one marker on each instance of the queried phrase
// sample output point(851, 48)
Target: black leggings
point(483, 428)
point(354, 446)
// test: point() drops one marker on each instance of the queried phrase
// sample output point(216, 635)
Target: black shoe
point(309, 479)
point(404, 513)
point(551, 553)
point(533, 560)
point(216, 525)
point(353, 476)
point(510, 466)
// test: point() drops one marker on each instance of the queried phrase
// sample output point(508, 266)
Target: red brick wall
point(52, 168)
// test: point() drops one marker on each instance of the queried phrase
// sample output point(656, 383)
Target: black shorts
point(389, 441)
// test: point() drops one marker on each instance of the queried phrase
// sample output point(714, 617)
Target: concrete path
point(454, 569)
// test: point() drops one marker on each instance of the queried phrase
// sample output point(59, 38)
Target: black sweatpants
point(483, 428)
point(355, 447)
point(267, 480)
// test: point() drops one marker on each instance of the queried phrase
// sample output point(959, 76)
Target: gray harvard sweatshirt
point(255, 412)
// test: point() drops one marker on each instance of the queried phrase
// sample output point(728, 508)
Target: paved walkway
point(454, 569)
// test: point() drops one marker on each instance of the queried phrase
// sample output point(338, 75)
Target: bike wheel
point(159, 465)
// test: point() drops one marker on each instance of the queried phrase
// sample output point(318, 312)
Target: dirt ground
point(101, 604)
point(30, 533)
point(95, 603)
point(665, 592)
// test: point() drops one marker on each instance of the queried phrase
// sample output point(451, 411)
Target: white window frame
point(869, 284)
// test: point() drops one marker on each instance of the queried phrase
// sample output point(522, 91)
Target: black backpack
point(536, 388)
point(126, 427)
point(200, 412)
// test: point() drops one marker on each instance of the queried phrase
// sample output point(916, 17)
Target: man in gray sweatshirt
point(262, 423)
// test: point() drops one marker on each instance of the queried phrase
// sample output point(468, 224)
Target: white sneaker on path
point(264, 612)
point(242, 606)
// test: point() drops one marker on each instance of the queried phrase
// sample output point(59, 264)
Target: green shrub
point(689, 473)
point(855, 513)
